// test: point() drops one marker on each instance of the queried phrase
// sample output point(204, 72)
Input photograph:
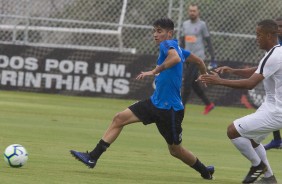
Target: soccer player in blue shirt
point(277, 141)
point(164, 107)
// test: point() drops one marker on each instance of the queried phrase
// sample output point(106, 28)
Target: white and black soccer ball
point(15, 155)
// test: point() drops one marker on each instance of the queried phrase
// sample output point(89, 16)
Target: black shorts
point(168, 121)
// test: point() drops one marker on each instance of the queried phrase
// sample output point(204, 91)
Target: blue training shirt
point(185, 53)
point(168, 83)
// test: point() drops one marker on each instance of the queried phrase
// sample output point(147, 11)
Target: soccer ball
point(15, 155)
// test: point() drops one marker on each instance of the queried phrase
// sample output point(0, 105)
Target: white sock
point(262, 155)
point(245, 147)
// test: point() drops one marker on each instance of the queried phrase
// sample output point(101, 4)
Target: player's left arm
point(171, 60)
point(249, 83)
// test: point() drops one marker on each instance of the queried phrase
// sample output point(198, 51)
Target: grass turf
point(50, 125)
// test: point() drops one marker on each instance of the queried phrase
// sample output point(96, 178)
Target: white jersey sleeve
point(269, 64)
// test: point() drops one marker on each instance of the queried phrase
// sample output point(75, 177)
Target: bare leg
point(190, 159)
point(119, 121)
point(186, 156)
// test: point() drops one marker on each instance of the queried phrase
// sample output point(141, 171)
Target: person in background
point(164, 107)
point(194, 36)
point(276, 142)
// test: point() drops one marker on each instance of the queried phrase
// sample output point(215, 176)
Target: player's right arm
point(244, 72)
point(171, 60)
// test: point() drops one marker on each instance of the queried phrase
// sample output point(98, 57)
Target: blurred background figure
point(194, 36)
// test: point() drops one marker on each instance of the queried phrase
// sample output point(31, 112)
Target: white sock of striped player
point(245, 147)
point(262, 155)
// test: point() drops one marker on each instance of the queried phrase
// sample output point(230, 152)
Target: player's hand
point(224, 69)
point(144, 74)
point(212, 78)
point(199, 80)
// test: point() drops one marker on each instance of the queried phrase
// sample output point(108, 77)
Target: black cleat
point(84, 158)
point(269, 180)
point(255, 172)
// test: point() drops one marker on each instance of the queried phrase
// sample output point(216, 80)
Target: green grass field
point(50, 125)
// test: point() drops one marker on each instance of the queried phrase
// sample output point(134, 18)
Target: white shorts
point(258, 125)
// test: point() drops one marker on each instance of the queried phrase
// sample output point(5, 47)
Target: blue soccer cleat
point(211, 172)
point(273, 144)
point(84, 158)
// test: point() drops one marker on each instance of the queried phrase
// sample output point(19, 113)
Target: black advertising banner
point(99, 74)
point(75, 72)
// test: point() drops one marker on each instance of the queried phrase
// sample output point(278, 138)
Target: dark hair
point(268, 25)
point(164, 23)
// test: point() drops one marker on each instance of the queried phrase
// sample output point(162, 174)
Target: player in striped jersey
point(248, 132)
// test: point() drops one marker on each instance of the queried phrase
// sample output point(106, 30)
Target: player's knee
point(254, 144)
point(231, 131)
point(118, 120)
point(174, 151)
